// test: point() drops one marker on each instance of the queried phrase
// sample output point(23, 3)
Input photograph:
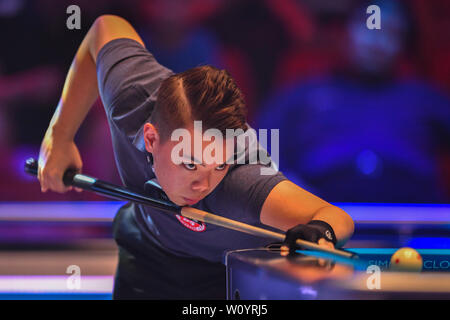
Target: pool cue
point(72, 178)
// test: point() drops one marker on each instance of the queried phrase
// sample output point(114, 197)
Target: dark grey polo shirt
point(128, 80)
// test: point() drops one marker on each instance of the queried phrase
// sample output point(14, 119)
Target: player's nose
point(201, 184)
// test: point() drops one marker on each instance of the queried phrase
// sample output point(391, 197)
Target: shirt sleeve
point(128, 78)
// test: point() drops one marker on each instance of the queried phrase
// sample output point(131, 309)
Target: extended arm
point(289, 205)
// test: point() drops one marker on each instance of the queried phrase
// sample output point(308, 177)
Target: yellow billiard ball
point(406, 259)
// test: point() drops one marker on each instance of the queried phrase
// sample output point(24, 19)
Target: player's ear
point(151, 137)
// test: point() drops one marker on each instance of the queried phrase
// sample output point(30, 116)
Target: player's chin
point(178, 200)
point(183, 201)
point(190, 201)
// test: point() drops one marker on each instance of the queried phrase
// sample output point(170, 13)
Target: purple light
point(54, 284)
point(384, 212)
point(59, 211)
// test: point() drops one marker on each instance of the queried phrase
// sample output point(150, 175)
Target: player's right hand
point(55, 157)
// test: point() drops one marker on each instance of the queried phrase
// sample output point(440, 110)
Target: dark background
point(364, 115)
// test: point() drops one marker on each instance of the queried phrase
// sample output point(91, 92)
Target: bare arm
point(58, 151)
point(289, 205)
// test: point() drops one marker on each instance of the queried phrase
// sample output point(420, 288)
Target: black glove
point(312, 231)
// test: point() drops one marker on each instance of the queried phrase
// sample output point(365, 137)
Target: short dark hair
point(202, 93)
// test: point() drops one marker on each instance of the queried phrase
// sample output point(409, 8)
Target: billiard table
point(263, 273)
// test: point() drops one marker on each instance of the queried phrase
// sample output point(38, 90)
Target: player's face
point(191, 181)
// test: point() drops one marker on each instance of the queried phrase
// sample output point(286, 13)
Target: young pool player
point(163, 256)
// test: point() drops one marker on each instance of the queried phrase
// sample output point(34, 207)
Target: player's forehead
point(208, 147)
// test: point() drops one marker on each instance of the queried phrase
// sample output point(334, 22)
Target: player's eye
point(190, 166)
point(221, 167)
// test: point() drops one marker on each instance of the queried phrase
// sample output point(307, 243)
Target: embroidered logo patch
point(193, 225)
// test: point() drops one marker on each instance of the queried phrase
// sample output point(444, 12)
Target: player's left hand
point(324, 243)
point(315, 231)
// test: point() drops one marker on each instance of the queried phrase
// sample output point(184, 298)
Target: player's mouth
point(190, 201)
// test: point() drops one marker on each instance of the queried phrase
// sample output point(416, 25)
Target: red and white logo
point(197, 226)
